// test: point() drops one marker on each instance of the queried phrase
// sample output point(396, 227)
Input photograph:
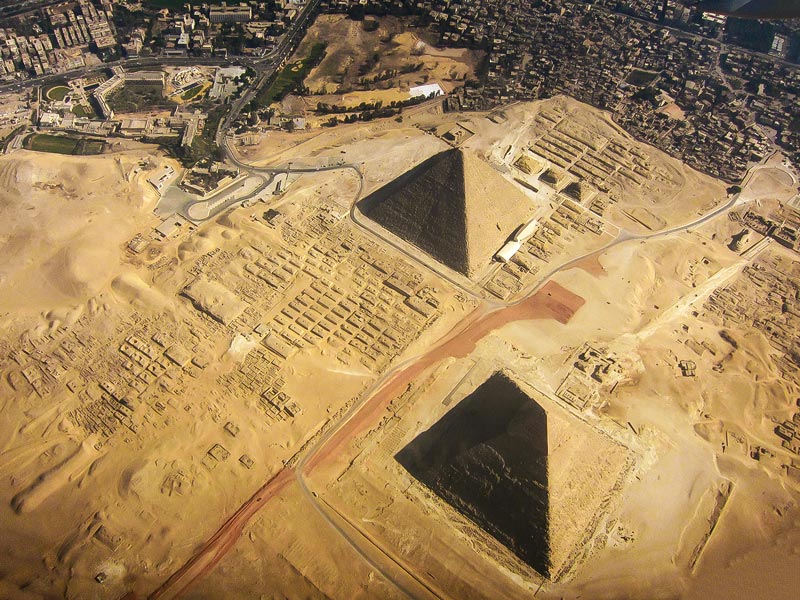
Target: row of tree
point(327, 109)
point(376, 110)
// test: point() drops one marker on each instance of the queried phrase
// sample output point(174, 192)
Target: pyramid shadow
point(488, 458)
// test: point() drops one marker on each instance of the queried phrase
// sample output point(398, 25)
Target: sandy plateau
point(380, 65)
point(260, 404)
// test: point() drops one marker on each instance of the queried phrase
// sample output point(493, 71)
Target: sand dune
point(199, 244)
point(81, 268)
point(52, 480)
point(11, 592)
point(63, 225)
point(130, 288)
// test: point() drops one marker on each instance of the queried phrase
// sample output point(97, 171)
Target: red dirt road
point(212, 551)
point(552, 301)
point(591, 264)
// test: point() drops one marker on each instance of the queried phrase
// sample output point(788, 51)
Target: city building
point(230, 14)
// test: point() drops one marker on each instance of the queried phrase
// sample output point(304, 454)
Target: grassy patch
point(204, 144)
point(193, 91)
point(290, 77)
point(134, 98)
point(80, 111)
point(90, 147)
point(57, 93)
point(51, 143)
point(57, 144)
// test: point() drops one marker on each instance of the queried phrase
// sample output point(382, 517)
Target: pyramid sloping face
point(576, 191)
point(453, 206)
point(487, 458)
point(552, 177)
point(536, 479)
point(583, 469)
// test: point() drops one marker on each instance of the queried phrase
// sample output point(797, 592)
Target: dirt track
point(552, 301)
point(212, 551)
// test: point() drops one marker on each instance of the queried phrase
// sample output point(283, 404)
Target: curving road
point(265, 65)
point(311, 458)
point(203, 210)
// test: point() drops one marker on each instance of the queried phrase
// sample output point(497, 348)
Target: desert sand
point(219, 413)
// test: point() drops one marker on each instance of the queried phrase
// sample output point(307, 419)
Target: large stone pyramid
point(488, 459)
point(533, 478)
point(454, 206)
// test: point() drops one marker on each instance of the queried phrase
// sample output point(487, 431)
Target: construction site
point(463, 355)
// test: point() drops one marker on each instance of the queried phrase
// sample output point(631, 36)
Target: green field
point(203, 145)
point(80, 111)
point(57, 92)
point(290, 77)
point(56, 144)
point(641, 78)
point(191, 93)
point(91, 147)
point(134, 99)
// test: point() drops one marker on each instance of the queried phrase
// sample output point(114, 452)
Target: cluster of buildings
point(765, 296)
point(214, 29)
point(668, 74)
point(22, 53)
point(594, 372)
point(693, 107)
point(240, 13)
point(86, 25)
point(25, 55)
point(78, 30)
point(716, 106)
point(120, 79)
point(783, 226)
point(326, 287)
point(76, 33)
point(182, 124)
point(177, 33)
point(664, 86)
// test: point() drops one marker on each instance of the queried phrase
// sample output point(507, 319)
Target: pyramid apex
point(454, 206)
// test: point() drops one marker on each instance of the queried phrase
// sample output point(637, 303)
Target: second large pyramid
point(453, 206)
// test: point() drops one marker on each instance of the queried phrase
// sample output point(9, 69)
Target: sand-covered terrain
point(64, 222)
point(289, 400)
point(372, 64)
point(389, 57)
point(144, 392)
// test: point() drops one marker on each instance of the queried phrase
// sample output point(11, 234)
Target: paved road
point(211, 552)
point(230, 155)
point(264, 66)
point(267, 67)
point(129, 64)
point(200, 211)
